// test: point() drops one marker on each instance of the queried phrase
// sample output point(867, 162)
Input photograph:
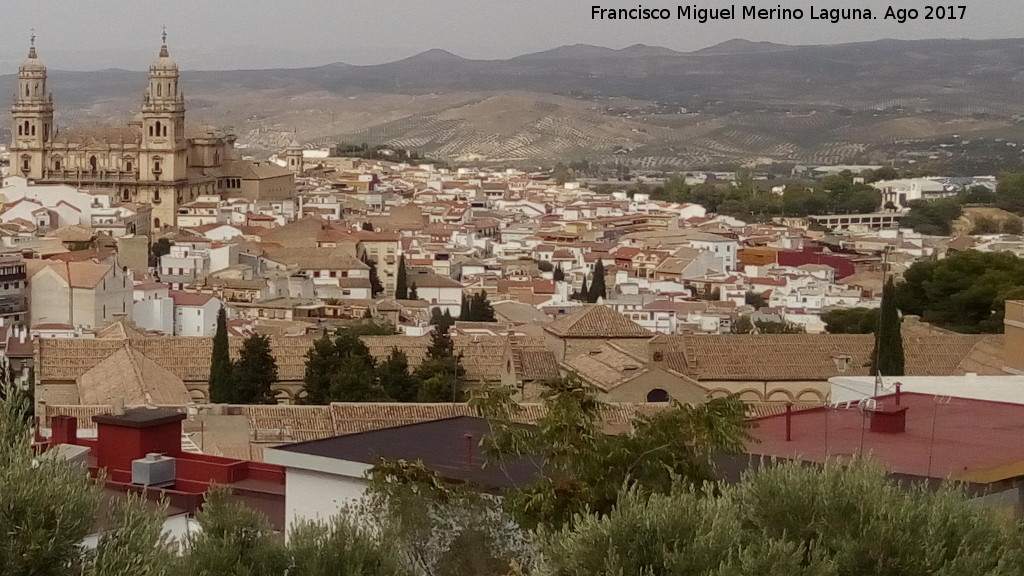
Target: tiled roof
point(814, 357)
point(596, 321)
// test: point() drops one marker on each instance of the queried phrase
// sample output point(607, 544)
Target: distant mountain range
point(745, 93)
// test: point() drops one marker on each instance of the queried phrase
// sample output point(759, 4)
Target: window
point(56, 164)
point(657, 395)
point(159, 91)
point(92, 163)
point(128, 165)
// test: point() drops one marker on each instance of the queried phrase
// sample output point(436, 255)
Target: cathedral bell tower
point(31, 118)
point(163, 151)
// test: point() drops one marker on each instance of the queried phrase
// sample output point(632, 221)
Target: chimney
point(64, 430)
point(137, 432)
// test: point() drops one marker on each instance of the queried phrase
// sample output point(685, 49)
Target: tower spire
point(163, 43)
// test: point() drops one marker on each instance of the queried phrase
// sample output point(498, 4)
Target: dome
point(32, 62)
point(164, 60)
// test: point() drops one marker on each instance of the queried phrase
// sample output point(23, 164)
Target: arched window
point(26, 90)
point(659, 356)
point(33, 129)
point(20, 131)
point(159, 90)
point(156, 223)
point(92, 163)
point(56, 164)
point(165, 131)
point(157, 127)
point(37, 88)
point(26, 127)
point(657, 395)
point(151, 130)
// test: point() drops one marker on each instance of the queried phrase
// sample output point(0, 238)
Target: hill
point(739, 101)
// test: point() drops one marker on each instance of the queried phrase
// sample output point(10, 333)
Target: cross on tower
point(32, 38)
point(164, 35)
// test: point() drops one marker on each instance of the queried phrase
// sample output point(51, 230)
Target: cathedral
point(156, 159)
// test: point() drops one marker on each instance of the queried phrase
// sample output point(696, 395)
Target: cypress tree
point(402, 281)
point(559, 274)
point(481, 308)
point(464, 313)
point(597, 288)
point(887, 358)
point(220, 363)
point(376, 287)
point(413, 294)
point(584, 293)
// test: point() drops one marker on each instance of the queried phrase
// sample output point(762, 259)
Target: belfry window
point(159, 90)
point(26, 127)
point(33, 129)
point(157, 127)
point(92, 163)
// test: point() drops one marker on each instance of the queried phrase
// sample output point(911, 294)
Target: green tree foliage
point(463, 308)
point(559, 274)
point(851, 320)
point(933, 217)
point(402, 280)
point(883, 173)
point(560, 174)
point(742, 325)
point(584, 293)
point(444, 529)
point(985, 225)
point(413, 294)
point(48, 508)
point(221, 377)
point(597, 288)
point(395, 378)
point(545, 266)
point(1013, 225)
point(161, 247)
point(978, 195)
point(233, 539)
point(755, 299)
point(441, 374)
point(341, 370)
point(376, 287)
point(479, 309)
point(1010, 192)
point(887, 357)
point(790, 519)
point(254, 373)
point(367, 226)
point(584, 469)
point(963, 292)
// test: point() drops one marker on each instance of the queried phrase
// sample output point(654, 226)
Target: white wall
point(155, 314)
point(316, 495)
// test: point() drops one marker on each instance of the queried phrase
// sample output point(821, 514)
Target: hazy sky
point(225, 34)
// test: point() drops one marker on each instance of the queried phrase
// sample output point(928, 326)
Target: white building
point(195, 314)
point(153, 308)
point(82, 294)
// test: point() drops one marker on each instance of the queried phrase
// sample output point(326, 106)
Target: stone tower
point(164, 150)
point(293, 156)
point(31, 118)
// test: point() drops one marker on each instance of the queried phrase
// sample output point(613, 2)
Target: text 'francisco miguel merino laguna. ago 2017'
point(703, 14)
